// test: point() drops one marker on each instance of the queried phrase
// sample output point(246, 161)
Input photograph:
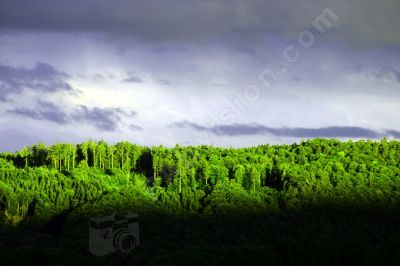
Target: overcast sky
point(226, 73)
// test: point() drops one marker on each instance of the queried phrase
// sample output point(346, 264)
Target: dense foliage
point(39, 183)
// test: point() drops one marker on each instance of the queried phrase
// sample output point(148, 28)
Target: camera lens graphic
point(124, 241)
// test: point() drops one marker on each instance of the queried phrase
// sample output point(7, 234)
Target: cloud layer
point(42, 78)
point(107, 119)
point(256, 129)
point(88, 64)
point(363, 21)
point(46, 111)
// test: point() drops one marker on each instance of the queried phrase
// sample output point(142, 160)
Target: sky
point(224, 73)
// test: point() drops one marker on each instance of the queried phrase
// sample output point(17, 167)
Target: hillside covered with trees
point(319, 200)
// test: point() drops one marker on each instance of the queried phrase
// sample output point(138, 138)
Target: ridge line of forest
point(41, 181)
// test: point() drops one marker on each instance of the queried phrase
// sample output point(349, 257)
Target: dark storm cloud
point(46, 111)
point(144, 19)
point(107, 119)
point(42, 78)
point(360, 21)
point(256, 129)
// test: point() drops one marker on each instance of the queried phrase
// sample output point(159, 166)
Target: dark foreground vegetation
point(320, 202)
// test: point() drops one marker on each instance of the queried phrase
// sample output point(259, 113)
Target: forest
point(318, 201)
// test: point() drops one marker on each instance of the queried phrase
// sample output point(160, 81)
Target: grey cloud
point(257, 129)
point(165, 82)
point(360, 21)
point(161, 80)
point(107, 119)
point(143, 19)
point(98, 76)
point(132, 78)
point(186, 123)
point(42, 77)
point(129, 113)
point(27, 112)
point(135, 128)
point(95, 77)
point(44, 111)
point(387, 72)
point(51, 112)
point(394, 133)
point(327, 132)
